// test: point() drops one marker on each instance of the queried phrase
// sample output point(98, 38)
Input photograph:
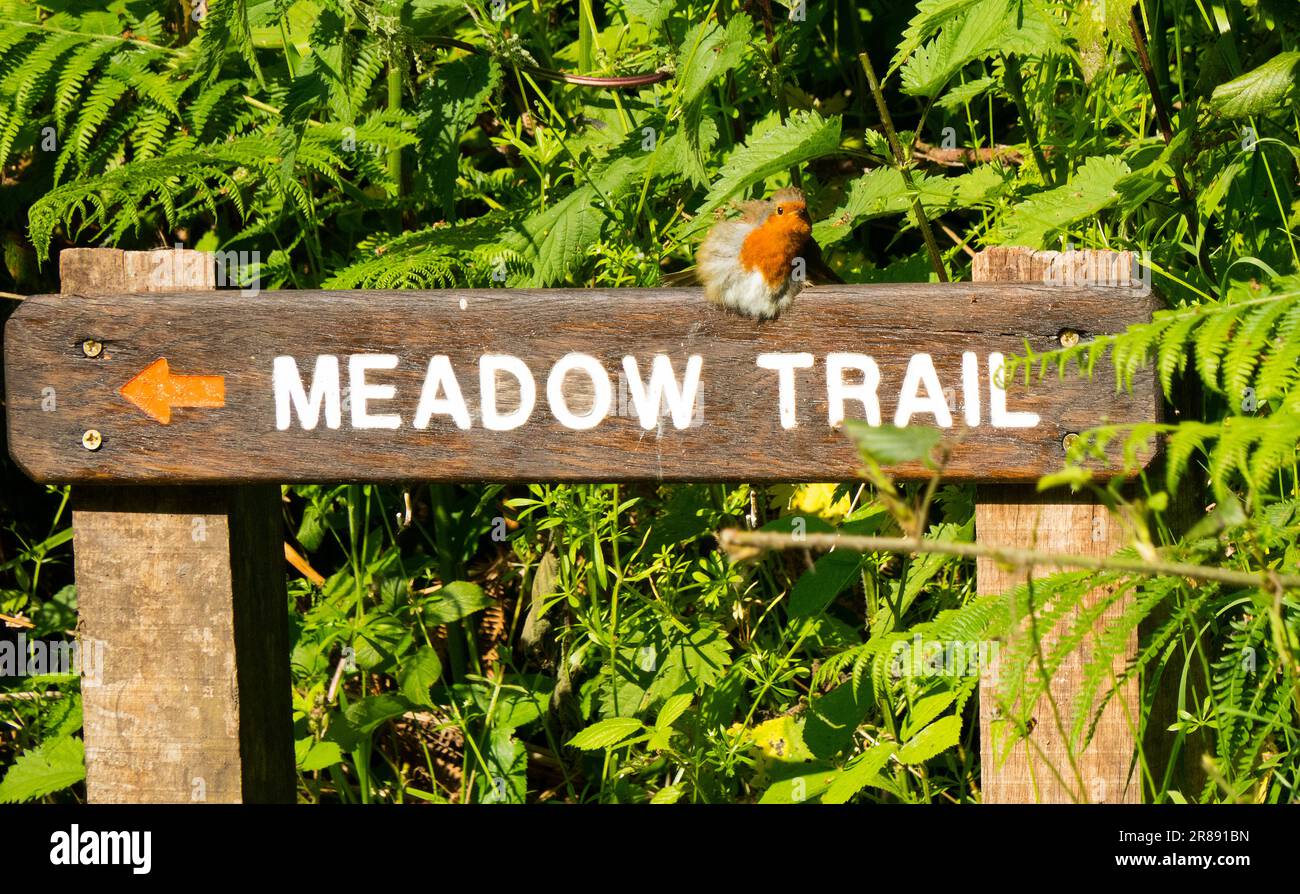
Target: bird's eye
point(780, 210)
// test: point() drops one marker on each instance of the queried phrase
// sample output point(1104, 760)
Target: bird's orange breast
point(773, 245)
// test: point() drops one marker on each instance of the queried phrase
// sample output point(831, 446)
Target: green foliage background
point(590, 643)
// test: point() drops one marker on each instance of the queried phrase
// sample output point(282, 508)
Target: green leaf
point(669, 794)
point(1090, 190)
point(692, 661)
point(1073, 477)
point(558, 238)
point(977, 33)
point(313, 755)
point(458, 599)
point(926, 708)
point(707, 51)
point(815, 588)
point(417, 674)
point(1260, 90)
point(519, 700)
point(371, 712)
point(801, 789)
point(673, 708)
point(931, 15)
point(653, 12)
point(314, 526)
point(506, 781)
point(939, 736)
point(225, 27)
point(834, 717)
point(449, 103)
point(607, 733)
point(877, 193)
point(965, 94)
point(889, 445)
point(54, 765)
point(858, 773)
point(803, 137)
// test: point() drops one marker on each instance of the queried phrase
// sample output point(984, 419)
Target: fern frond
point(73, 77)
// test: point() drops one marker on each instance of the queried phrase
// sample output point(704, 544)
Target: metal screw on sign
point(1069, 441)
point(92, 348)
point(1068, 338)
point(92, 439)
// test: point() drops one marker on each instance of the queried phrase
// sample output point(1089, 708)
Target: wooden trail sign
point(591, 385)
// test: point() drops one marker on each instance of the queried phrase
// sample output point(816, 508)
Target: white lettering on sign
point(837, 392)
point(785, 365)
point(970, 387)
point(488, 367)
point(440, 378)
point(663, 386)
point(363, 392)
point(602, 391)
point(998, 414)
point(921, 373)
point(853, 381)
point(288, 388)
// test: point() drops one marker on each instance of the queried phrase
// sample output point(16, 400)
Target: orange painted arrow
point(156, 391)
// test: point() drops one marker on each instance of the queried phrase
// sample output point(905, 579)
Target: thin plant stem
point(918, 211)
point(1008, 555)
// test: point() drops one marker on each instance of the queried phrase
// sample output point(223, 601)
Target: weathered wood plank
point(1039, 768)
point(228, 344)
point(184, 588)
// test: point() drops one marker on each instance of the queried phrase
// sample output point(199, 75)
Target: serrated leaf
point(926, 708)
point(1260, 90)
point(1090, 190)
point(669, 794)
point(888, 445)
point(673, 708)
point(54, 765)
point(858, 773)
point(607, 733)
point(653, 12)
point(805, 136)
point(975, 34)
point(708, 50)
point(449, 103)
point(938, 737)
point(417, 674)
point(694, 660)
point(557, 239)
point(931, 15)
point(879, 192)
point(965, 94)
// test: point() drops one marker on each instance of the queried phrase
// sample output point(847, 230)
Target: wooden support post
point(183, 587)
point(1038, 768)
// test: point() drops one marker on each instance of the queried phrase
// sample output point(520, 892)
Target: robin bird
point(755, 266)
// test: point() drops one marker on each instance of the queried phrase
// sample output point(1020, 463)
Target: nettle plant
point(591, 642)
